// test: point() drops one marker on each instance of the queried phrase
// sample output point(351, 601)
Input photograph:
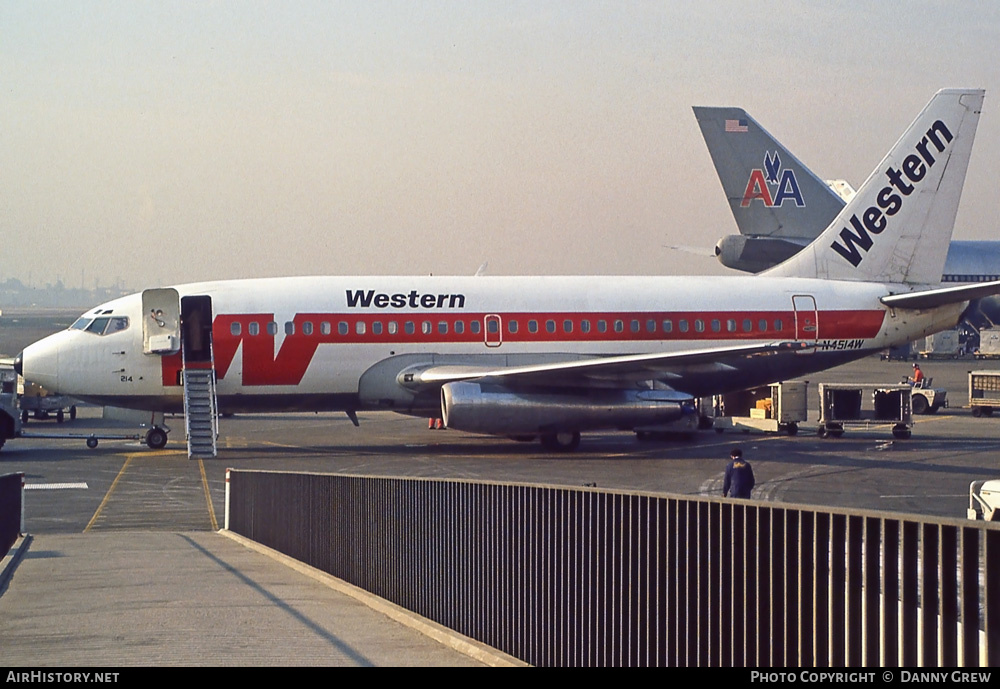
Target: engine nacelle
point(754, 254)
point(497, 410)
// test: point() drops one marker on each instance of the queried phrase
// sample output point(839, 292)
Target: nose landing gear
point(156, 438)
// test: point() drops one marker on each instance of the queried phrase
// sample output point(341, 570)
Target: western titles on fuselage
point(413, 300)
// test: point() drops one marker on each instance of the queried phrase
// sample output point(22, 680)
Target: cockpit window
point(98, 325)
point(105, 325)
point(116, 325)
point(81, 323)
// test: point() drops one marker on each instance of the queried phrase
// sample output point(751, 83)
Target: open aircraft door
point(161, 321)
point(806, 319)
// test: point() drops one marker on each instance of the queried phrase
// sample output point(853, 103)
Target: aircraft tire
point(566, 441)
point(156, 438)
point(91, 442)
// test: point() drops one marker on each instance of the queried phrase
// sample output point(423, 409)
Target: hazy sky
point(165, 142)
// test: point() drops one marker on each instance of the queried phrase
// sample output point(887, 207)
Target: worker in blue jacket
point(739, 476)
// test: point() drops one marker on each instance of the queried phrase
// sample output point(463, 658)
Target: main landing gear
point(565, 441)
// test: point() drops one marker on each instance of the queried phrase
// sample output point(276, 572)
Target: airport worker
point(739, 476)
point(918, 376)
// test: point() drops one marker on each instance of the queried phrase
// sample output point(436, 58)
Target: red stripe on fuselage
point(262, 366)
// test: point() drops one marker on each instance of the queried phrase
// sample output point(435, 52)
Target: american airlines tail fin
point(897, 227)
point(770, 192)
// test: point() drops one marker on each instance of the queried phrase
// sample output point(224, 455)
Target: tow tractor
point(926, 399)
point(984, 500)
point(11, 424)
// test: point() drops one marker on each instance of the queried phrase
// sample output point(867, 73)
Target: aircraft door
point(196, 324)
point(493, 330)
point(161, 321)
point(806, 318)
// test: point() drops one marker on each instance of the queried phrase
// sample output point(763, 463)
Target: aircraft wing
point(618, 369)
point(942, 296)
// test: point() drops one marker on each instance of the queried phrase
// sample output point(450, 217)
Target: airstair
point(200, 411)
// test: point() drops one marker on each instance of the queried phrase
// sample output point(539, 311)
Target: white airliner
point(542, 357)
point(780, 205)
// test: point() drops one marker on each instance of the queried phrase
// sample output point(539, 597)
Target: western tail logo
point(762, 180)
point(890, 199)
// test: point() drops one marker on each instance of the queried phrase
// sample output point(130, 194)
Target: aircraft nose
point(19, 364)
point(39, 363)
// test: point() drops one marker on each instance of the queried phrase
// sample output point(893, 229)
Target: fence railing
point(587, 577)
point(11, 510)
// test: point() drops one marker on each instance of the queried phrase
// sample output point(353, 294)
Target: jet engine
point(497, 410)
point(754, 254)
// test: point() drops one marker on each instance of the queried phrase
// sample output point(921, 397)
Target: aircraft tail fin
point(898, 226)
point(770, 192)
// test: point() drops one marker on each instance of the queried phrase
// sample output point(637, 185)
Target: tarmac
point(126, 565)
point(138, 599)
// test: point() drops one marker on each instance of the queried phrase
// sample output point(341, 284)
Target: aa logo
point(772, 177)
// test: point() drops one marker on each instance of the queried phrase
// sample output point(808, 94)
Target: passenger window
point(425, 327)
point(512, 326)
point(585, 326)
point(409, 328)
point(762, 325)
point(442, 327)
point(307, 328)
point(359, 328)
point(650, 326)
point(716, 325)
point(777, 324)
point(747, 325)
point(532, 326)
point(633, 325)
point(731, 325)
point(459, 327)
point(254, 328)
point(567, 326)
point(393, 327)
point(602, 326)
point(289, 328)
point(619, 326)
point(550, 326)
point(682, 325)
point(475, 327)
point(272, 328)
point(668, 326)
point(342, 328)
point(235, 328)
point(325, 328)
point(377, 328)
point(699, 325)
point(492, 326)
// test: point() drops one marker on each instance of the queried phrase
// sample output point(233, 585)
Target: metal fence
point(11, 512)
point(587, 577)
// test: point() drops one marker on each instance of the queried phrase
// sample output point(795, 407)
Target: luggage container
point(984, 392)
point(865, 405)
point(775, 408)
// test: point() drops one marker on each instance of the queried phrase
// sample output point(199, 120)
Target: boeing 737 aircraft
point(780, 206)
point(540, 357)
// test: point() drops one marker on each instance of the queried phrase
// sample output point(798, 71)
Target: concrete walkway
point(136, 598)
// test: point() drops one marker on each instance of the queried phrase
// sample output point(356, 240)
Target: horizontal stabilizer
point(930, 299)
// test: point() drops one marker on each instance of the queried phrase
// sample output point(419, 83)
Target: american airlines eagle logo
point(772, 185)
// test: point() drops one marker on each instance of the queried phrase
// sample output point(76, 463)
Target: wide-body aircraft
point(540, 357)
